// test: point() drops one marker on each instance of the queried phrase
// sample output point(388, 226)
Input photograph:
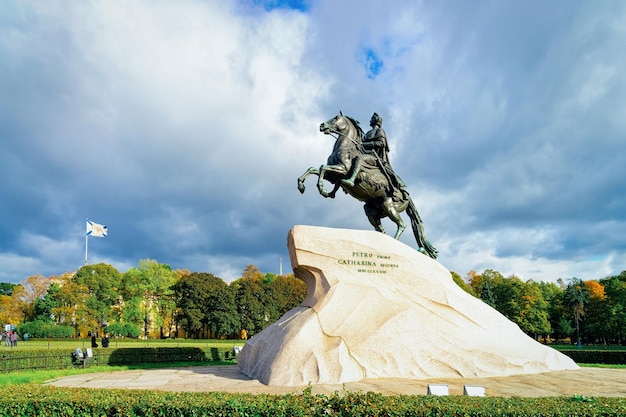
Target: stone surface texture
point(377, 308)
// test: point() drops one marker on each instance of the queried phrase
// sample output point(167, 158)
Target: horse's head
point(342, 125)
point(338, 124)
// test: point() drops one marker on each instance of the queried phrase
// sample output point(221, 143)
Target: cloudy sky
point(183, 126)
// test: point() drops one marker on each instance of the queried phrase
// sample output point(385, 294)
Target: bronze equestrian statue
point(359, 165)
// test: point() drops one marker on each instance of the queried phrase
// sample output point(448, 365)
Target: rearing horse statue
point(372, 184)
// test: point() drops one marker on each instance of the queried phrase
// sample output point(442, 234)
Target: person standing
point(105, 341)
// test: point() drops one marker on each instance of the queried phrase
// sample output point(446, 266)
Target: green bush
point(129, 356)
point(123, 329)
point(42, 329)
point(15, 360)
point(609, 357)
point(57, 402)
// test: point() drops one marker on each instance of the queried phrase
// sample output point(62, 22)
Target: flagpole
point(86, 244)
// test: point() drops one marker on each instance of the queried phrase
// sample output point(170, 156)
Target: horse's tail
point(418, 230)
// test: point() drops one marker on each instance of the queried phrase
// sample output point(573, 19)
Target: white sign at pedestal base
point(437, 389)
point(473, 391)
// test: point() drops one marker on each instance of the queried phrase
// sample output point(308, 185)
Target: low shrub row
point(51, 401)
point(609, 357)
point(43, 329)
point(62, 358)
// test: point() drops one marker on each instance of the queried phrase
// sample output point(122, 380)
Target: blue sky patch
point(269, 5)
point(372, 63)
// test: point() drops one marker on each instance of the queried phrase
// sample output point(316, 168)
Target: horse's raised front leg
point(337, 169)
point(334, 191)
point(303, 177)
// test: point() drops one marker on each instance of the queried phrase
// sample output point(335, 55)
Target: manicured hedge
point(129, 356)
point(24, 400)
point(62, 358)
point(42, 329)
point(609, 357)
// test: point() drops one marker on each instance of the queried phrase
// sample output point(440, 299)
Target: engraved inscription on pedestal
point(369, 262)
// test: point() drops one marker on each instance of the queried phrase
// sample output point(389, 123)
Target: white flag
point(95, 229)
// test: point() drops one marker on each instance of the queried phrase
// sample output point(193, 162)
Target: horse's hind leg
point(394, 215)
point(373, 213)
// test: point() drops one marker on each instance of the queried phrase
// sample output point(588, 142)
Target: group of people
point(94, 341)
point(10, 338)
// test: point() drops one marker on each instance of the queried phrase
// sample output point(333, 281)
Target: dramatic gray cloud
point(183, 126)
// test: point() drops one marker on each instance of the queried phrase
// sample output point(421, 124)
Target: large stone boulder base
point(377, 308)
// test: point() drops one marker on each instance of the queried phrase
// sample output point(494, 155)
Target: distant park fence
point(12, 361)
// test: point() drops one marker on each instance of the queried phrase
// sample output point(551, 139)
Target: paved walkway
point(585, 381)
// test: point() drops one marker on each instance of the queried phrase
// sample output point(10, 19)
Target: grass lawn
point(601, 365)
point(39, 376)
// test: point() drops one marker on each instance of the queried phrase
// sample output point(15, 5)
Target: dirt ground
point(596, 382)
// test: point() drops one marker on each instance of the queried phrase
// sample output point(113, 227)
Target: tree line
point(590, 312)
point(150, 300)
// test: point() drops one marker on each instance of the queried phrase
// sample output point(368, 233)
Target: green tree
point(123, 329)
point(71, 309)
point(576, 297)
point(198, 297)
point(132, 289)
point(6, 288)
point(533, 315)
point(102, 282)
point(284, 293)
point(615, 293)
point(134, 312)
point(269, 277)
point(461, 283)
point(509, 297)
point(253, 304)
point(597, 314)
point(221, 312)
point(484, 285)
point(563, 328)
point(148, 296)
point(553, 295)
point(519, 301)
point(44, 306)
